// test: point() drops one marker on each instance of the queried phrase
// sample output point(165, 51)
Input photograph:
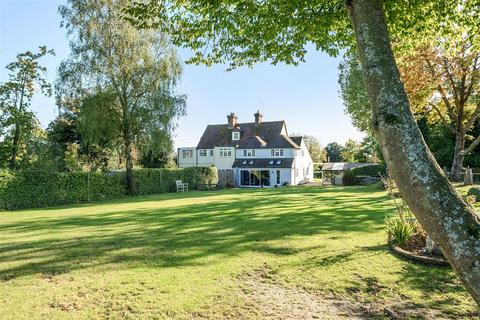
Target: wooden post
point(468, 177)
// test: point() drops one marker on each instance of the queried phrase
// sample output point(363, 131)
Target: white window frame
point(249, 153)
point(187, 154)
point(235, 135)
point(277, 152)
point(203, 152)
point(225, 152)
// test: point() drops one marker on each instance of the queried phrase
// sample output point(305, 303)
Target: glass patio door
point(254, 178)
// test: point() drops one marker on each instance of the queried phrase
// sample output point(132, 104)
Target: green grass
point(180, 255)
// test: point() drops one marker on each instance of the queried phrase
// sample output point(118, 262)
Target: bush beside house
point(350, 179)
point(371, 171)
point(34, 189)
point(356, 176)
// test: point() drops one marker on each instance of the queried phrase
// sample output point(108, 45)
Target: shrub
point(349, 179)
point(33, 189)
point(149, 181)
point(400, 230)
point(374, 170)
point(475, 192)
point(353, 176)
point(196, 176)
point(471, 200)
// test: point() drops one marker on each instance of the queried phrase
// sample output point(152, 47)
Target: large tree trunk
point(15, 142)
point(458, 156)
point(438, 207)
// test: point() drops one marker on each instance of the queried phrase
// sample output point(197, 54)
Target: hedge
point(353, 176)
point(474, 191)
point(34, 189)
point(371, 171)
point(350, 179)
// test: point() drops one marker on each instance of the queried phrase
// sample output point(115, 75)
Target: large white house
point(256, 153)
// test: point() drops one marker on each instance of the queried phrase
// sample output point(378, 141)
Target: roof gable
point(298, 140)
point(271, 134)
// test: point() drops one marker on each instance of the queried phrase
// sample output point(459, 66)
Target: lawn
point(239, 254)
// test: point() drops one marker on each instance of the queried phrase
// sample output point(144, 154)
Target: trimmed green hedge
point(350, 179)
point(34, 189)
point(372, 171)
point(353, 177)
point(474, 191)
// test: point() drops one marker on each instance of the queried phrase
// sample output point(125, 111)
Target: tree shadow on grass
point(183, 235)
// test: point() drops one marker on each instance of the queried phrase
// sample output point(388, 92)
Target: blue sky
point(305, 96)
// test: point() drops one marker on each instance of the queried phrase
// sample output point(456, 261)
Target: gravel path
point(276, 302)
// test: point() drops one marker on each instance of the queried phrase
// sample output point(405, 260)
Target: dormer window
point(235, 135)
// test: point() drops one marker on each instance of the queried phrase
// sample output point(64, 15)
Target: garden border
point(417, 258)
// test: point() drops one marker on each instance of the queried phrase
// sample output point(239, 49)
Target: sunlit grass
point(177, 255)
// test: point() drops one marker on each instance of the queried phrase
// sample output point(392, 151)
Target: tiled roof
point(297, 140)
point(264, 135)
point(263, 163)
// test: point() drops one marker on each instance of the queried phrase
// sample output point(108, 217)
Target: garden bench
point(181, 186)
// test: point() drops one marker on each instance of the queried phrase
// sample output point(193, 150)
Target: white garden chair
point(181, 186)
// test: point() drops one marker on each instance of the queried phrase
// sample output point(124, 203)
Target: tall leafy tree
point(69, 146)
point(445, 78)
point(334, 152)
point(443, 90)
point(441, 82)
point(354, 94)
point(441, 78)
point(317, 153)
point(350, 150)
point(246, 32)
point(26, 75)
point(123, 79)
point(369, 151)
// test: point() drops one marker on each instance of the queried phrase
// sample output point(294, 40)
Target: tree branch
point(451, 112)
point(452, 83)
point(472, 79)
point(472, 146)
point(472, 119)
point(442, 117)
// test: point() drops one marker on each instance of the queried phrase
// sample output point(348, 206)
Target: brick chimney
point(258, 117)
point(232, 120)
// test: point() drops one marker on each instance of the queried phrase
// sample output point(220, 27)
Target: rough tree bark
point(131, 185)
point(458, 155)
point(16, 135)
point(16, 139)
point(438, 207)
